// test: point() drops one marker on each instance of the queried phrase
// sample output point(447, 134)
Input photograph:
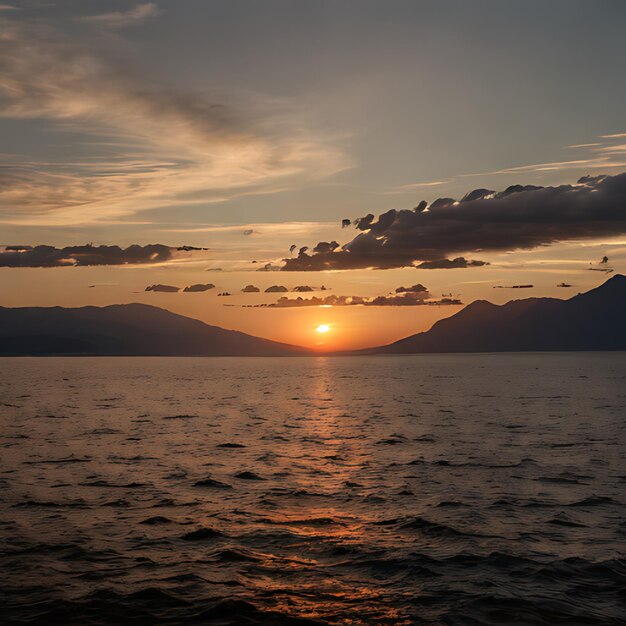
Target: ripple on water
point(443, 489)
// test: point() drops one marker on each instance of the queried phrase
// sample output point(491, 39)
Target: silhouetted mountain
point(124, 329)
point(595, 320)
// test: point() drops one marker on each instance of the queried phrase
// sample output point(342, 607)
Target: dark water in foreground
point(476, 489)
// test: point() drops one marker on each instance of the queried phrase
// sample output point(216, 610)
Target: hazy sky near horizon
point(246, 127)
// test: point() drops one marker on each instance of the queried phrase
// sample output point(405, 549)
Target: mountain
point(595, 320)
point(124, 329)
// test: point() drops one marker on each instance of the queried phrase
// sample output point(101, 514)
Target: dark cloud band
point(76, 256)
point(400, 298)
point(450, 264)
point(520, 217)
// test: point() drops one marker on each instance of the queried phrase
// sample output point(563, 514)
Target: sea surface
point(426, 489)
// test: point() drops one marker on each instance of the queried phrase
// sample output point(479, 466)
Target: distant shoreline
point(353, 354)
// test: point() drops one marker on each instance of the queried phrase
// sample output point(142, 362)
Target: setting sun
point(322, 328)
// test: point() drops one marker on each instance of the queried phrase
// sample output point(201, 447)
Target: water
point(440, 489)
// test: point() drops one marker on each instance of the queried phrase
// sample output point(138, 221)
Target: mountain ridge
point(124, 330)
point(592, 320)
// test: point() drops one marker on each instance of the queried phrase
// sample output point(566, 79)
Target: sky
point(409, 156)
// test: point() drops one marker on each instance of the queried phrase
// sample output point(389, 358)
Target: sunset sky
point(266, 133)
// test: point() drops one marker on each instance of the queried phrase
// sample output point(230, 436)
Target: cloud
point(613, 150)
point(596, 162)
point(414, 186)
point(325, 246)
point(121, 19)
point(199, 288)
point(271, 228)
point(308, 288)
point(614, 136)
point(276, 289)
point(269, 267)
point(513, 286)
point(76, 256)
point(450, 264)
point(411, 299)
point(404, 299)
point(417, 289)
point(520, 217)
point(163, 288)
point(251, 289)
point(150, 146)
point(603, 263)
point(584, 145)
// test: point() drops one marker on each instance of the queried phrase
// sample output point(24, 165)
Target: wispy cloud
point(121, 19)
point(260, 228)
point(414, 186)
point(600, 162)
point(601, 155)
point(615, 149)
point(584, 145)
point(159, 147)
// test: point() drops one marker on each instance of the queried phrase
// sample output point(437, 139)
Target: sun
point(322, 328)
